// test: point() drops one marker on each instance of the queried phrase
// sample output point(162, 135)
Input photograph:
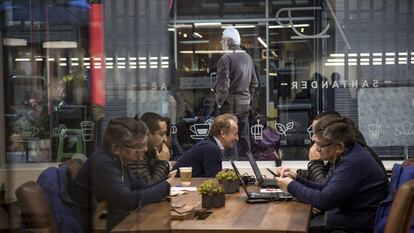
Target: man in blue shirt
point(205, 156)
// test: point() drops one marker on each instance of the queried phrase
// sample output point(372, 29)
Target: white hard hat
point(233, 34)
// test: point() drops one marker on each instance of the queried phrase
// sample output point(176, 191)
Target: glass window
point(71, 66)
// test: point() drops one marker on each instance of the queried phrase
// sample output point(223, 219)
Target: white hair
point(233, 34)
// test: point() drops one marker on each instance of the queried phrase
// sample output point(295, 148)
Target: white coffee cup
point(185, 175)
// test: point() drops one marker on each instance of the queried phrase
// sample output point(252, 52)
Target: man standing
point(205, 156)
point(235, 86)
point(154, 167)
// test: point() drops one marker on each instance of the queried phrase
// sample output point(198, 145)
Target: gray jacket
point(236, 78)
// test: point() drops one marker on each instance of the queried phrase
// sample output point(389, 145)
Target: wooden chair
point(402, 210)
point(36, 213)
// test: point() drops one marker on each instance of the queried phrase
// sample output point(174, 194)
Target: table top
point(235, 216)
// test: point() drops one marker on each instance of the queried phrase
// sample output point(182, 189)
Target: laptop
point(263, 182)
point(254, 195)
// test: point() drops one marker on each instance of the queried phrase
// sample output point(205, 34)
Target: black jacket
point(103, 179)
point(318, 170)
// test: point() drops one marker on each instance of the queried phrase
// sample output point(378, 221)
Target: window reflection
point(309, 56)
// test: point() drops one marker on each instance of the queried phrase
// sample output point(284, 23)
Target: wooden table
point(235, 216)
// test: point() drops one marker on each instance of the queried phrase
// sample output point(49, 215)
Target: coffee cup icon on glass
point(28, 133)
point(87, 130)
point(200, 131)
point(373, 130)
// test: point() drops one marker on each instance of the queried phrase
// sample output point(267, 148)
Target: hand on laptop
point(283, 183)
point(286, 172)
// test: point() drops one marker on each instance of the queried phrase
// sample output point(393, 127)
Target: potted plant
point(212, 194)
point(73, 88)
point(228, 178)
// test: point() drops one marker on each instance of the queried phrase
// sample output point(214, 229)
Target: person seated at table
point(317, 168)
point(154, 167)
point(205, 156)
point(355, 186)
point(106, 177)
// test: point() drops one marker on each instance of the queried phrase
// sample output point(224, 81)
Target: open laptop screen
point(255, 168)
point(239, 176)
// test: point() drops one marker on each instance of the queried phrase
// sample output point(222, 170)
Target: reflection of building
point(150, 52)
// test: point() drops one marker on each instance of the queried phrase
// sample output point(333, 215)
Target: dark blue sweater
point(204, 157)
point(350, 194)
point(101, 178)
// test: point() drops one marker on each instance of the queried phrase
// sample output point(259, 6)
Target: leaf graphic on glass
point(282, 129)
point(289, 125)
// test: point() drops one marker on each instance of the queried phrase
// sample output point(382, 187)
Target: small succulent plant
point(210, 187)
point(226, 175)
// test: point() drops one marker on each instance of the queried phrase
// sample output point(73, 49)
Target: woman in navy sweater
point(106, 176)
point(354, 187)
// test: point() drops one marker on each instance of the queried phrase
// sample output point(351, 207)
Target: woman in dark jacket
point(106, 177)
point(355, 184)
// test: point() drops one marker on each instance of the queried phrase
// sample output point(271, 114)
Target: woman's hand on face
point(164, 154)
point(286, 172)
point(283, 183)
point(314, 153)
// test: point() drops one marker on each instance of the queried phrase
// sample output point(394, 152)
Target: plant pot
point(278, 162)
point(212, 201)
point(230, 186)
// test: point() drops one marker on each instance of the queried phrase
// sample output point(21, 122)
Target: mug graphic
point(200, 131)
point(29, 132)
point(374, 130)
point(87, 130)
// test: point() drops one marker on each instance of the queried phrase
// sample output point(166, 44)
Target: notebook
point(254, 195)
point(267, 183)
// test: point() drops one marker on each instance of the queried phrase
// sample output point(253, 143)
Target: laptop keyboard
point(269, 195)
point(269, 182)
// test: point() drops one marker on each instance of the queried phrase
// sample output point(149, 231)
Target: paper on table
point(174, 191)
point(179, 188)
point(271, 191)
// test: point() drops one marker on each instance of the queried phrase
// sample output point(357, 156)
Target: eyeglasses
point(140, 148)
point(319, 147)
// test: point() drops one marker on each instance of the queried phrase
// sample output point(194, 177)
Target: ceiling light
point(262, 41)
point(294, 25)
point(60, 44)
point(197, 35)
point(14, 42)
point(238, 26)
point(207, 24)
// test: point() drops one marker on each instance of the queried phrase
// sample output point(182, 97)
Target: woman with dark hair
point(355, 185)
point(106, 177)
